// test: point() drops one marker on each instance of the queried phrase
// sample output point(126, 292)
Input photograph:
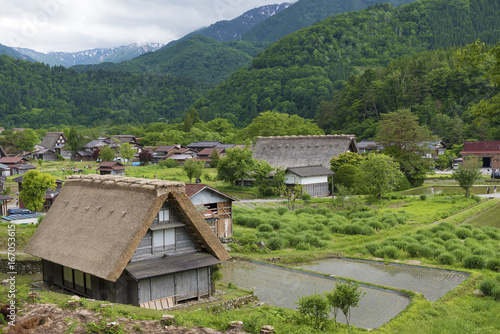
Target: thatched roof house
point(120, 239)
point(53, 141)
point(296, 151)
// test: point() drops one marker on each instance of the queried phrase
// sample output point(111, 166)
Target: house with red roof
point(487, 151)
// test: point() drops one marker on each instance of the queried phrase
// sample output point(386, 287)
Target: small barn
point(111, 168)
point(487, 151)
point(127, 240)
point(215, 206)
point(314, 179)
point(22, 168)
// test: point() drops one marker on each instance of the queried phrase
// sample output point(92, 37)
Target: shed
point(126, 240)
point(45, 154)
point(314, 179)
point(218, 207)
point(22, 168)
point(487, 151)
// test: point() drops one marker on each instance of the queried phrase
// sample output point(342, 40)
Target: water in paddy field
point(450, 190)
point(432, 283)
point(282, 287)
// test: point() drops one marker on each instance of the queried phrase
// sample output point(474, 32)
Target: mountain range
point(94, 56)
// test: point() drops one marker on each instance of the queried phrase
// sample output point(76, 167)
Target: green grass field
point(489, 217)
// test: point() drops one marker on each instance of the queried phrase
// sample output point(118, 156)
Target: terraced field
point(489, 217)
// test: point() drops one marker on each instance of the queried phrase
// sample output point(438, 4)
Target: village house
point(20, 169)
point(488, 152)
point(306, 152)
point(11, 162)
point(204, 155)
point(161, 152)
point(215, 207)
point(51, 145)
point(111, 167)
point(313, 179)
point(127, 240)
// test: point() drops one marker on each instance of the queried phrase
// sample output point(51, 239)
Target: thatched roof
point(50, 139)
point(97, 222)
point(296, 151)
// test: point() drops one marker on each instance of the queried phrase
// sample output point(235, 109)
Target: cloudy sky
point(76, 25)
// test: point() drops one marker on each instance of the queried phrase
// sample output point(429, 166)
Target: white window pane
point(158, 238)
point(170, 236)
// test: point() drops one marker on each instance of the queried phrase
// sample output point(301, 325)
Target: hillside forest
point(437, 58)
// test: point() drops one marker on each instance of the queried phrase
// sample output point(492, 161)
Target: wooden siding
point(317, 190)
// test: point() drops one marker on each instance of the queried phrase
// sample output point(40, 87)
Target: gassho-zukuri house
point(305, 158)
point(127, 240)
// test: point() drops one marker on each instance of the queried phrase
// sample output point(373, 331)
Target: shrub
point(413, 250)
point(444, 226)
point(390, 252)
point(474, 262)
point(453, 244)
point(425, 232)
point(446, 235)
point(275, 223)
point(491, 232)
point(460, 254)
point(334, 227)
point(265, 228)
point(487, 286)
point(276, 243)
point(372, 247)
point(282, 210)
point(426, 251)
point(482, 251)
point(493, 264)
point(480, 236)
point(495, 293)
point(463, 233)
point(423, 197)
point(447, 258)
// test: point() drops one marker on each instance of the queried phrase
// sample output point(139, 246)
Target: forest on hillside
point(37, 95)
point(304, 68)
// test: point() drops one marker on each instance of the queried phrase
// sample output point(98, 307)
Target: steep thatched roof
point(296, 151)
point(97, 222)
point(50, 139)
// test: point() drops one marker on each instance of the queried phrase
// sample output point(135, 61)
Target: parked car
point(19, 212)
point(495, 175)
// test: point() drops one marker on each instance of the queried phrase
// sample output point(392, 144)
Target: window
point(164, 215)
point(163, 239)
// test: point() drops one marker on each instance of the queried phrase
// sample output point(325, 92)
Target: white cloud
point(75, 25)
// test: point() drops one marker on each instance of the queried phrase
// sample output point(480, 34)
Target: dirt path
point(50, 319)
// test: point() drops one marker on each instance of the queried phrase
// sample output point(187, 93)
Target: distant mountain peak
point(91, 56)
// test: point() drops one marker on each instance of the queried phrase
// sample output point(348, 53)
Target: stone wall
point(27, 267)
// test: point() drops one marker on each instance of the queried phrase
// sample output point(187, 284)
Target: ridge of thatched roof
point(296, 151)
point(98, 221)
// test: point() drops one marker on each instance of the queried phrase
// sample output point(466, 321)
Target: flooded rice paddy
point(432, 283)
point(282, 287)
point(449, 190)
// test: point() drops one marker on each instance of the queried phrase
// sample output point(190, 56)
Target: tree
point(405, 140)
point(107, 154)
point(236, 165)
point(345, 176)
point(26, 140)
point(193, 169)
point(347, 158)
point(73, 141)
point(95, 154)
point(466, 177)
point(316, 308)
point(145, 157)
point(34, 185)
point(127, 152)
point(214, 158)
point(378, 175)
point(191, 119)
point(344, 297)
point(291, 194)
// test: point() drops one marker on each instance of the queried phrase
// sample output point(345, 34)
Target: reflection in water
point(432, 283)
point(448, 190)
point(281, 287)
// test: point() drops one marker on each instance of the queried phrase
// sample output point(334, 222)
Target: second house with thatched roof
point(127, 240)
point(306, 159)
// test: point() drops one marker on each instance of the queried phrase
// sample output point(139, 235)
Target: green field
point(489, 217)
